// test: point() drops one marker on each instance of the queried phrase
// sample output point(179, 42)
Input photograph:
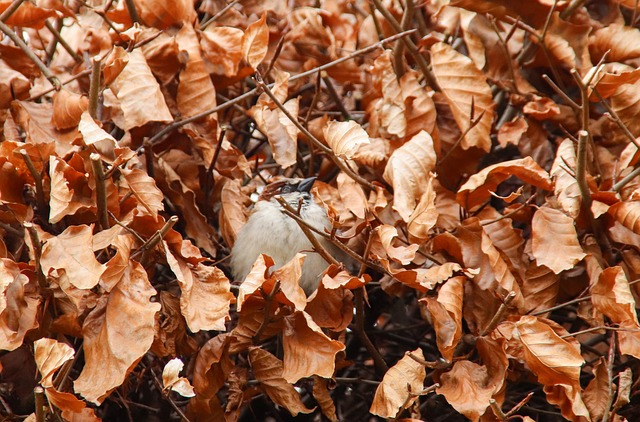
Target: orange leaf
point(464, 86)
point(408, 171)
point(477, 189)
point(394, 393)
point(255, 42)
point(345, 138)
point(559, 252)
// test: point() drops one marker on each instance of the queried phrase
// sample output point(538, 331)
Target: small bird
point(269, 231)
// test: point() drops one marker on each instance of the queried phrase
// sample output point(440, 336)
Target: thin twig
point(101, 191)
point(43, 207)
point(94, 87)
point(37, 253)
point(157, 236)
point(629, 177)
point(380, 364)
point(472, 124)
point(10, 10)
point(218, 15)
point(63, 42)
point(133, 13)
point(68, 81)
point(497, 318)
point(571, 8)
point(38, 392)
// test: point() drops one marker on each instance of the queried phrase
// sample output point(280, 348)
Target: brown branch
point(218, 15)
point(37, 253)
point(38, 393)
point(94, 87)
point(133, 13)
point(629, 177)
point(62, 41)
point(101, 191)
point(472, 124)
point(43, 207)
point(499, 315)
point(266, 319)
point(378, 360)
point(10, 10)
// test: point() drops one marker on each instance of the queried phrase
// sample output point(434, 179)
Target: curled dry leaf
point(67, 109)
point(18, 309)
point(145, 190)
point(171, 378)
point(117, 333)
point(71, 253)
point(408, 171)
point(303, 339)
point(477, 189)
point(467, 93)
point(559, 252)
point(399, 387)
point(268, 371)
point(94, 135)
point(206, 294)
point(566, 186)
point(611, 296)
point(255, 42)
point(139, 94)
point(446, 311)
point(344, 138)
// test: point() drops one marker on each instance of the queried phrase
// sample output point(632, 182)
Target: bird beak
point(306, 184)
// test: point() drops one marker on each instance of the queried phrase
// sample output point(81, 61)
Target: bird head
point(294, 191)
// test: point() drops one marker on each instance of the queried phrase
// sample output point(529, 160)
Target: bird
point(270, 231)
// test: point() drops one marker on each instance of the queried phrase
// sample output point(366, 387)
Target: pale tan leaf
point(394, 392)
point(50, 355)
point(627, 213)
point(561, 251)
point(255, 42)
point(344, 138)
point(408, 171)
point(171, 378)
point(477, 189)
point(139, 94)
point(446, 311)
point(268, 371)
point(566, 186)
point(463, 85)
point(18, 308)
point(94, 135)
point(71, 251)
point(424, 216)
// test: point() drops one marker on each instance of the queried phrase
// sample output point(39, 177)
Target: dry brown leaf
point(562, 250)
point(307, 350)
point(597, 395)
point(68, 190)
point(206, 294)
point(446, 311)
point(391, 108)
point(477, 189)
point(172, 380)
point(162, 15)
point(268, 371)
point(196, 92)
point(71, 253)
point(425, 216)
point(386, 235)
point(139, 94)
point(222, 46)
point(18, 309)
point(465, 388)
point(117, 333)
point(394, 393)
point(67, 109)
point(145, 190)
point(345, 138)
point(255, 42)
point(464, 86)
point(566, 186)
point(408, 171)
point(555, 362)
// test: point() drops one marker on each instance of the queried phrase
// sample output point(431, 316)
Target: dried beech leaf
point(117, 333)
point(139, 94)
point(566, 186)
point(464, 86)
point(408, 171)
point(71, 252)
point(255, 42)
point(268, 371)
point(394, 393)
point(171, 378)
point(559, 252)
point(477, 189)
point(344, 138)
point(303, 338)
point(145, 190)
